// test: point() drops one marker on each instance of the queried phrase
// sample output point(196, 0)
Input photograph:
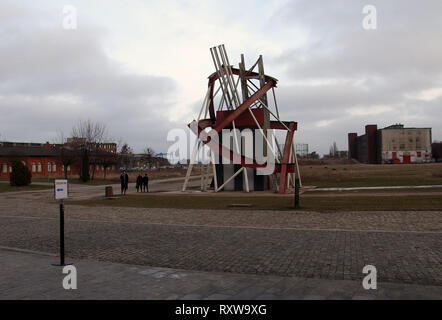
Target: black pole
point(62, 261)
point(296, 193)
point(61, 233)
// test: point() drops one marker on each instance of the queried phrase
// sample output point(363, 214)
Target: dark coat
point(145, 180)
point(124, 178)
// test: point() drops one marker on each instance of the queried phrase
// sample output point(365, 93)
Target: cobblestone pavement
point(31, 276)
point(409, 257)
point(40, 204)
point(406, 247)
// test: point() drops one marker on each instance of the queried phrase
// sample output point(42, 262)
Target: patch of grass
point(6, 187)
point(363, 175)
point(76, 180)
point(387, 192)
point(361, 203)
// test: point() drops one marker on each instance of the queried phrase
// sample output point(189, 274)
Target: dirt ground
point(366, 175)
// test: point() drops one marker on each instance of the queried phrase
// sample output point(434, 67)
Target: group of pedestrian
point(142, 183)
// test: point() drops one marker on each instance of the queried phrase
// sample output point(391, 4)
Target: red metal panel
point(243, 120)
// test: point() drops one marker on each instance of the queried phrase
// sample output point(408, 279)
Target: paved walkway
point(265, 254)
point(406, 257)
point(25, 275)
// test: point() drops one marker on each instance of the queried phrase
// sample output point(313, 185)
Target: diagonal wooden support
point(285, 158)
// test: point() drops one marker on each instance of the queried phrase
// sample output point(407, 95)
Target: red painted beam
point(244, 106)
point(285, 159)
point(278, 126)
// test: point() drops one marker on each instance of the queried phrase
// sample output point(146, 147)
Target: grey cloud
point(50, 78)
point(358, 69)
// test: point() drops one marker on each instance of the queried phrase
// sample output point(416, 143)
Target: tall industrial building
point(393, 144)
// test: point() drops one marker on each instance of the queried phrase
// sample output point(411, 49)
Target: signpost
point(60, 193)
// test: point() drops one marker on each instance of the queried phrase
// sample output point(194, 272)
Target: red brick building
point(45, 160)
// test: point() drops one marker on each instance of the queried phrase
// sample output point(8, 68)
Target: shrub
point(20, 175)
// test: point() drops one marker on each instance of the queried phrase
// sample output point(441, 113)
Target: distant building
point(161, 155)
point(393, 144)
point(104, 146)
point(337, 155)
point(145, 161)
point(46, 159)
point(301, 149)
point(436, 151)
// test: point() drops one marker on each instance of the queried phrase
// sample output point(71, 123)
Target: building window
point(49, 167)
point(69, 168)
point(34, 167)
point(5, 168)
point(39, 167)
point(54, 167)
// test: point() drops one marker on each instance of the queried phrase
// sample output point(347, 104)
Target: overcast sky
point(141, 67)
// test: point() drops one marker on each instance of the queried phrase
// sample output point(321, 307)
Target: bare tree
point(108, 161)
point(90, 135)
point(148, 156)
point(68, 153)
point(126, 156)
point(89, 132)
point(2, 138)
point(333, 150)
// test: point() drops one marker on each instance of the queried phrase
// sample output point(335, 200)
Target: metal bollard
point(62, 260)
point(297, 193)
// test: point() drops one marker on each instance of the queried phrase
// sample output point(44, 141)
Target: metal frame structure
point(235, 108)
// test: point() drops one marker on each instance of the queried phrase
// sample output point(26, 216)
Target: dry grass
point(115, 177)
point(365, 175)
point(6, 187)
point(355, 203)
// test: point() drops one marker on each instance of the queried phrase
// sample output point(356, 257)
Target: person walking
point(139, 184)
point(124, 179)
point(146, 183)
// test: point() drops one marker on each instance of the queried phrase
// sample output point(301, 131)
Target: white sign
point(61, 189)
